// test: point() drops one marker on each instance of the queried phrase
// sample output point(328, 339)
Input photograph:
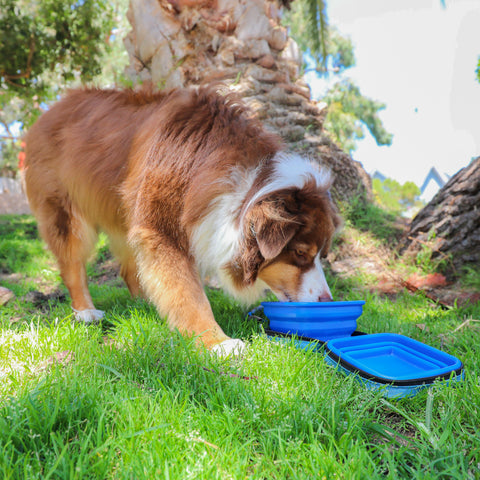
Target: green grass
point(471, 277)
point(21, 251)
point(134, 400)
point(369, 217)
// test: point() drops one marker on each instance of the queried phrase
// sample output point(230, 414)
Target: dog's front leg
point(170, 280)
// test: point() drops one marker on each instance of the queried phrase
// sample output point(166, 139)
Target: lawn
point(129, 399)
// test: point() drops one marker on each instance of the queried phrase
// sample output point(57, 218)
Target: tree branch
point(7, 129)
point(9, 137)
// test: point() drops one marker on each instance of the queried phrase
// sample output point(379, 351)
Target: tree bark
point(179, 43)
point(450, 224)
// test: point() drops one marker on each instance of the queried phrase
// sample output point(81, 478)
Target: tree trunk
point(178, 43)
point(450, 224)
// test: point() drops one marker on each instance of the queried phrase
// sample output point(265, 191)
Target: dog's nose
point(325, 297)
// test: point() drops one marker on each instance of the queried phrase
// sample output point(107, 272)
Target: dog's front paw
point(90, 315)
point(231, 347)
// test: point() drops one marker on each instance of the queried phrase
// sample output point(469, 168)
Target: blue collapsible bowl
point(398, 365)
point(319, 320)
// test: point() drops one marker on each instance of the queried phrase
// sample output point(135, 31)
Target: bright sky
point(419, 59)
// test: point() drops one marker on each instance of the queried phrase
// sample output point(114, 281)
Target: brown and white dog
point(185, 183)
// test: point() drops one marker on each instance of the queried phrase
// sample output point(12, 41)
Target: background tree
point(63, 43)
point(46, 46)
point(349, 111)
point(395, 197)
point(331, 54)
point(176, 43)
point(448, 228)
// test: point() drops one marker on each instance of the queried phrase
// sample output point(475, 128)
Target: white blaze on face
point(313, 286)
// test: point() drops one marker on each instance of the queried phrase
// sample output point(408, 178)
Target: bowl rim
point(345, 303)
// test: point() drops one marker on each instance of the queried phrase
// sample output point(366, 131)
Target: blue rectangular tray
point(398, 365)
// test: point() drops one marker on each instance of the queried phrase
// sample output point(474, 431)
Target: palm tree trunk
point(448, 228)
point(178, 43)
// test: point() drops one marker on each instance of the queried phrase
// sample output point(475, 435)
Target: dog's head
point(286, 233)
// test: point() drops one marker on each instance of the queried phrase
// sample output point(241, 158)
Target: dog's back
point(86, 146)
point(78, 151)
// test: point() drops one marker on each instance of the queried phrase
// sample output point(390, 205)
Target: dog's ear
point(273, 236)
point(249, 262)
point(273, 225)
point(265, 240)
point(268, 226)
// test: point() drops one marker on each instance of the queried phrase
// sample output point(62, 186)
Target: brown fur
point(145, 168)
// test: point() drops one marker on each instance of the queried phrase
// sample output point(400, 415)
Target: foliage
point(47, 46)
point(330, 51)
point(340, 51)
point(348, 110)
point(130, 399)
point(471, 277)
point(478, 69)
point(395, 197)
point(63, 38)
point(307, 20)
point(425, 258)
point(10, 147)
point(312, 16)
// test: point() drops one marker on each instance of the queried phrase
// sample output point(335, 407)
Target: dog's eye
point(300, 253)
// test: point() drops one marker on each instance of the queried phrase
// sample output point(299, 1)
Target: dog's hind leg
point(129, 273)
point(128, 265)
point(71, 239)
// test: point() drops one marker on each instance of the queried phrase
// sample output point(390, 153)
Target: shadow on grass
point(21, 250)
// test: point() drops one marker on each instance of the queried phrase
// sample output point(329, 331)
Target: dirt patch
point(41, 300)
point(5, 295)
point(384, 272)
